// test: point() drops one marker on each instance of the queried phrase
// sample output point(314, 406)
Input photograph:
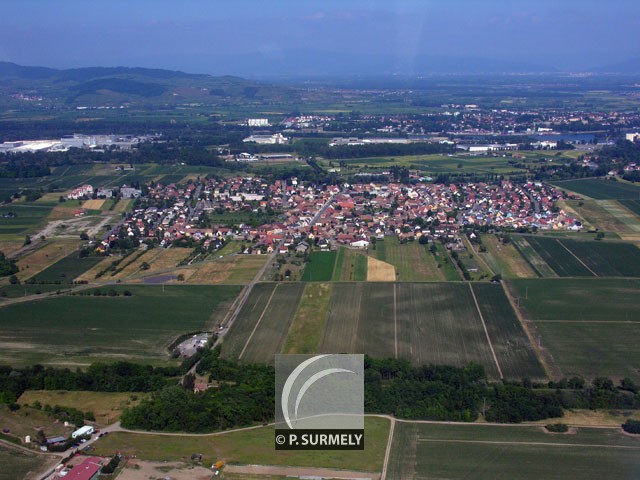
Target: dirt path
point(395, 320)
point(387, 452)
point(301, 472)
point(486, 331)
point(548, 444)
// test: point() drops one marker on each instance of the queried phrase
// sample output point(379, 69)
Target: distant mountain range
point(117, 85)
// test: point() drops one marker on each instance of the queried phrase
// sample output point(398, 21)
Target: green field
point(633, 205)
point(308, 323)
point(249, 447)
point(262, 325)
point(513, 348)
point(78, 330)
point(490, 452)
point(28, 216)
point(319, 267)
point(66, 269)
point(412, 260)
point(574, 258)
point(15, 291)
point(589, 326)
point(351, 265)
point(17, 464)
point(601, 189)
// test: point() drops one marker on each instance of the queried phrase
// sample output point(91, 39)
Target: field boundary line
point(550, 444)
point(585, 321)
point(387, 452)
point(525, 326)
point(576, 257)
point(266, 307)
point(486, 331)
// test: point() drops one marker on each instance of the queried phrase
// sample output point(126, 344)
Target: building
point(82, 431)
point(80, 192)
point(258, 122)
point(275, 139)
point(89, 469)
point(632, 137)
point(129, 192)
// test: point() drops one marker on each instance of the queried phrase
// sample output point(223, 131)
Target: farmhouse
point(87, 470)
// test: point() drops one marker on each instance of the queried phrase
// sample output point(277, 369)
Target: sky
point(250, 36)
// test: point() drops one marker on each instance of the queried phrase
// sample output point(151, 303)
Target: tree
point(13, 280)
point(84, 236)
point(27, 240)
point(145, 266)
point(180, 277)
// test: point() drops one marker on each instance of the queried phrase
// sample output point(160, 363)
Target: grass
point(18, 464)
point(597, 216)
point(28, 217)
point(106, 406)
point(262, 325)
point(631, 204)
point(16, 291)
point(446, 265)
point(308, 323)
point(233, 269)
point(558, 258)
point(319, 267)
point(413, 262)
point(351, 265)
point(67, 269)
point(78, 330)
point(27, 421)
point(479, 452)
point(601, 189)
point(249, 447)
point(505, 259)
point(535, 261)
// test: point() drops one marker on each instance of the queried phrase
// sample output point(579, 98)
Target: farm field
point(106, 406)
point(67, 269)
point(379, 271)
point(631, 204)
point(18, 464)
point(596, 216)
point(157, 259)
point(233, 269)
point(44, 256)
point(589, 326)
point(262, 325)
point(601, 189)
point(478, 452)
point(249, 447)
point(535, 261)
point(24, 289)
point(351, 265)
point(308, 323)
point(504, 259)
point(319, 267)
point(625, 215)
point(81, 329)
point(20, 218)
point(574, 258)
point(412, 261)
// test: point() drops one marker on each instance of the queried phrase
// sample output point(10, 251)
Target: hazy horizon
point(254, 38)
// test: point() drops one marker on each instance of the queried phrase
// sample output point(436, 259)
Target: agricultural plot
point(595, 215)
point(627, 217)
point(412, 261)
point(480, 451)
point(589, 326)
point(505, 259)
point(350, 266)
point(379, 271)
point(308, 323)
point(235, 269)
point(439, 323)
point(601, 189)
point(516, 355)
point(19, 464)
point(67, 269)
point(249, 447)
point(262, 325)
point(153, 261)
point(572, 258)
point(20, 219)
point(558, 258)
point(633, 205)
point(320, 266)
point(81, 329)
point(45, 256)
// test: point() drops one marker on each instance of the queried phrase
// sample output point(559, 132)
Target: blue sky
point(207, 36)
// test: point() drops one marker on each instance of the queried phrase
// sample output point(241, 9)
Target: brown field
point(159, 259)
point(122, 206)
point(231, 269)
point(379, 271)
point(106, 406)
point(90, 275)
point(40, 259)
point(93, 204)
point(596, 215)
point(61, 213)
point(505, 259)
point(27, 421)
point(9, 248)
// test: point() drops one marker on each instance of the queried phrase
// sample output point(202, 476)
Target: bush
point(631, 426)
point(557, 428)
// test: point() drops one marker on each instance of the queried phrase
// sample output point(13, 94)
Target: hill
point(119, 85)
